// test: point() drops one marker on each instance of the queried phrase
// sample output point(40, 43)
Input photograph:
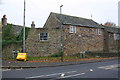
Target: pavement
point(36, 64)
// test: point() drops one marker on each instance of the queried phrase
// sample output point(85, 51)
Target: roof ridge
point(74, 20)
point(71, 16)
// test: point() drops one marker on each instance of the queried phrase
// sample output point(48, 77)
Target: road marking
point(72, 75)
point(9, 69)
point(109, 67)
point(6, 70)
point(51, 74)
point(19, 69)
point(91, 70)
point(62, 75)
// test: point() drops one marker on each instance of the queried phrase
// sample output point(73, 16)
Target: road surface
point(107, 69)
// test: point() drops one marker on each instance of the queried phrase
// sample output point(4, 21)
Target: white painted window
point(116, 36)
point(98, 31)
point(72, 29)
point(44, 36)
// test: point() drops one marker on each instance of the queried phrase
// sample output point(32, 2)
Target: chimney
point(4, 20)
point(33, 24)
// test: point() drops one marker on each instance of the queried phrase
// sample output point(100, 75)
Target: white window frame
point(43, 37)
point(98, 31)
point(116, 36)
point(72, 29)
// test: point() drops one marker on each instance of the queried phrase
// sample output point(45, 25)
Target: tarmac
point(6, 64)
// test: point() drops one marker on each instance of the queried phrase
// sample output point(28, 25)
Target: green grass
point(45, 58)
point(50, 58)
point(41, 58)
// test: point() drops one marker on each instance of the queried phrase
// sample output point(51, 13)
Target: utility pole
point(24, 27)
point(62, 51)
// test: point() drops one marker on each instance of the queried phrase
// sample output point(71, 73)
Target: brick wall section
point(35, 47)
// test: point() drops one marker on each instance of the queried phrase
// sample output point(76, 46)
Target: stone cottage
point(71, 34)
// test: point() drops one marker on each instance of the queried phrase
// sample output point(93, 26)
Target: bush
point(20, 36)
point(8, 32)
point(8, 36)
point(7, 42)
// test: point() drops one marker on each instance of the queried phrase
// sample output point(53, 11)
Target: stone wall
point(113, 44)
point(52, 22)
point(35, 47)
point(85, 39)
point(7, 50)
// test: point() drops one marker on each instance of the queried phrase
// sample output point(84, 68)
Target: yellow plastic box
point(21, 56)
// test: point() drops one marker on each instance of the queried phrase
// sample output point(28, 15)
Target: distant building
point(16, 28)
point(119, 13)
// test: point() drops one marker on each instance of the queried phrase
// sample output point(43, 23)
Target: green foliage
point(20, 36)
point(7, 42)
point(115, 26)
point(8, 32)
point(8, 36)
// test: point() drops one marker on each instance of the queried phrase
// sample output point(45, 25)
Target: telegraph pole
point(62, 51)
point(24, 26)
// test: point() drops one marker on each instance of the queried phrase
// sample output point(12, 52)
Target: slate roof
point(73, 20)
point(112, 30)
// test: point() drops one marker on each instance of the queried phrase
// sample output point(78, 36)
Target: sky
point(39, 10)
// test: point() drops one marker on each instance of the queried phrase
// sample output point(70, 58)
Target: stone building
point(16, 28)
point(73, 34)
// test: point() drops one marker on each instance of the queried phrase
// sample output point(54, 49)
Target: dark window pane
point(44, 36)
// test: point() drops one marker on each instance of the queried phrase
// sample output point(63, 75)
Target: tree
point(109, 24)
point(8, 32)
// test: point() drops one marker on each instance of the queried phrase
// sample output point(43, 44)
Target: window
point(72, 29)
point(116, 36)
point(44, 36)
point(98, 32)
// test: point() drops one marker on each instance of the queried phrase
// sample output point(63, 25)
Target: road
point(107, 69)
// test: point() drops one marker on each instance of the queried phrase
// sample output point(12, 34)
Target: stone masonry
point(36, 47)
point(88, 36)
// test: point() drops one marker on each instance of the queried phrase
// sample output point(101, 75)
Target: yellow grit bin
point(21, 56)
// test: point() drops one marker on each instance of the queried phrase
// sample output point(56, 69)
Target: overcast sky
point(39, 10)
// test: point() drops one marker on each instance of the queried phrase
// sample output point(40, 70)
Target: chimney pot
point(4, 20)
point(33, 24)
